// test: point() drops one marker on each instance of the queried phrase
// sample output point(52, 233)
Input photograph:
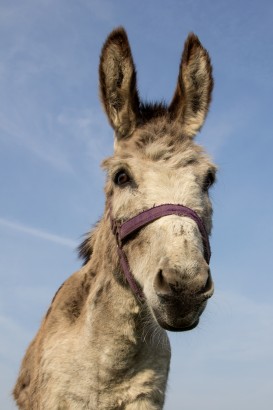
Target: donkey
point(103, 342)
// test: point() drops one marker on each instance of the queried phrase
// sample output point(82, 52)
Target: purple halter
point(123, 231)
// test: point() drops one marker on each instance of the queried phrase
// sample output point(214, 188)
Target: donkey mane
point(85, 249)
point(150, 110)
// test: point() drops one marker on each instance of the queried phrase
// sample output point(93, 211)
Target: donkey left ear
point(118, 89)
point(192, 96)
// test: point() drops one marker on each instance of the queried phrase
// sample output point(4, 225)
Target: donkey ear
point(118, 89)
point(192, 96)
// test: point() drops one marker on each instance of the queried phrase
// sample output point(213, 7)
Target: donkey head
point(157, 162)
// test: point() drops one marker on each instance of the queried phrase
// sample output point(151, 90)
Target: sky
point(54, 135)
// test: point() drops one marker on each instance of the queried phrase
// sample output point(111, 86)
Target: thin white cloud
point(38, 233)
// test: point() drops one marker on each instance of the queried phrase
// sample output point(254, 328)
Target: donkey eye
point(121, 178)
point(208, 181)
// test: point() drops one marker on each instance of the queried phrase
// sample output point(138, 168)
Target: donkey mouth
point(184, 328)
point(177, 324)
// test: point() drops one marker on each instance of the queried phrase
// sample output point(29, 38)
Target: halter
point(122, 232)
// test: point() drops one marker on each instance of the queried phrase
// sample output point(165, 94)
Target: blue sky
point(53, 136)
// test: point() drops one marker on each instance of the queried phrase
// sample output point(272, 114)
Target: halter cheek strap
point(123, 231)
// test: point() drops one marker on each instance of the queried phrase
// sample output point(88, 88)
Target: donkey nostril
point(161, 286)
point(208, 287)
point(160, 278)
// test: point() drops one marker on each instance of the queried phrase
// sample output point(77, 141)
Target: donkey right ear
point(192, 96)
point(118, 89)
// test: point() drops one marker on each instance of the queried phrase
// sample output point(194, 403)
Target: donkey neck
point(121, 329)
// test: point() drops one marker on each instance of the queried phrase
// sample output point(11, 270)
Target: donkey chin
point(176, 317)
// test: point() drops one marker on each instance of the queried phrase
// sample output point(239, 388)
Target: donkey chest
point(143, 388)
point(106, 376)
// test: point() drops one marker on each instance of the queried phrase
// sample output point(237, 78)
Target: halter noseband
point(123, 231)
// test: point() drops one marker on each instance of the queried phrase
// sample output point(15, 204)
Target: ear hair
point(118, 88)
point(192, 96)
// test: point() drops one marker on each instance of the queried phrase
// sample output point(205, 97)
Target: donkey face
point(156, 162)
